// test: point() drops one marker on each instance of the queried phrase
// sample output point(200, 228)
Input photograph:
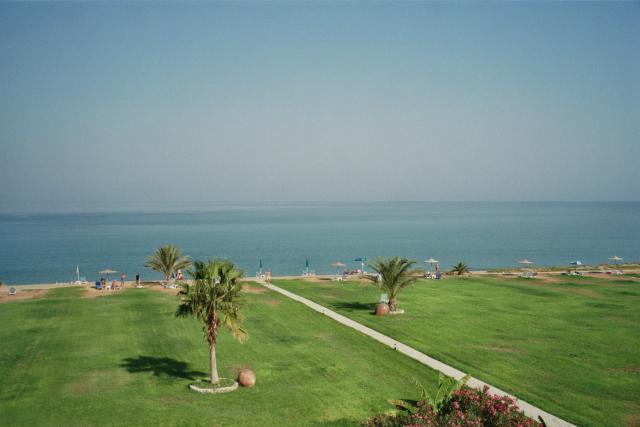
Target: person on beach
point(267, 277)
point(123, 277)
point(114, 285)
point(137, 280)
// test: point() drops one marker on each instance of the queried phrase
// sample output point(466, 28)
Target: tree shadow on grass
point(354, 306)
point(160, 366)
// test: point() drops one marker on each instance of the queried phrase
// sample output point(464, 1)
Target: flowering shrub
point(467, 407)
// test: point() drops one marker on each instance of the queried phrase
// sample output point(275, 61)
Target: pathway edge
point(529, 409)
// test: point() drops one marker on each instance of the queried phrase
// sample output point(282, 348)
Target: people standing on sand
point(114, 285)
point(123, 277)
point(103, 282)
point(137, 280)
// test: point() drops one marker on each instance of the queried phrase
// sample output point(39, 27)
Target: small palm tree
point(167, 260)
point(460, 268)
point(394, 275)
point(214, 298)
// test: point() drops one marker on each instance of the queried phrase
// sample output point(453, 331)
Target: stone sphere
point(247, 378)
point(382, 309)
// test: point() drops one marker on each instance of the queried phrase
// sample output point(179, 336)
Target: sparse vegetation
point(460, 268)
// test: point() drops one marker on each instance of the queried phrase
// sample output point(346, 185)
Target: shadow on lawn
point(354, 306)
point(160, 366)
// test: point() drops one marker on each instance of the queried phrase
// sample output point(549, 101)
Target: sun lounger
point(12, 291)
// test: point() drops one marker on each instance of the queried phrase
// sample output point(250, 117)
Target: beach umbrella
point(337, 265)
point(431, 261)
point(361, 260)
point(306, 263)
point(615, 259)
point(525, 263)
point(260, 266)
point(107, 272)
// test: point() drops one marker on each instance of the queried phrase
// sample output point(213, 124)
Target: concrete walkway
point(530, 410)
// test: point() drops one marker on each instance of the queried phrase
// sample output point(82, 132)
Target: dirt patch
point(23, 295)
point(95, 382)
point(543, 278)
point(158, 287)
point(632, 420)
point(254, 289)
point(94, 293)
point(629, 369)
point(80, 389)
point(612, 277)
point(499, 349)
point(317, 279)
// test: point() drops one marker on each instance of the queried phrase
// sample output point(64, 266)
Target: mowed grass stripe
point(124, 359)
point(568, 346)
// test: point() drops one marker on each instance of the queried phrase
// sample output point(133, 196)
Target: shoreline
point(541, 274)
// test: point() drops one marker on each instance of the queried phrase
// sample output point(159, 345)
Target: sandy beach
point(31, 290)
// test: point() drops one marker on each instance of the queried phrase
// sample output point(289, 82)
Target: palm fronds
point(214, 298)
point(393, 275)
point(460, 268)
point(167, 260)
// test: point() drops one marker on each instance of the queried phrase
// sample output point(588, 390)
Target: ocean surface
point(39, 247)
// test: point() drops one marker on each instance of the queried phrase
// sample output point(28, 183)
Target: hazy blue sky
point(319, 101)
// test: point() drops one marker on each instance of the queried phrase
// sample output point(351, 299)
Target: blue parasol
point(361, 260)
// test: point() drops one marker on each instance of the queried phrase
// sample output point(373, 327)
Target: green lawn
point(124, 359)
point(571, 347)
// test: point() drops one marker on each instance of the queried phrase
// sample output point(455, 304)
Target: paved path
point(527, 408)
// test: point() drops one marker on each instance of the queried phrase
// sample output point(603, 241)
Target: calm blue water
point(37, 248)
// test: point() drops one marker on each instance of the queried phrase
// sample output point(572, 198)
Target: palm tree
point(167, 260)
point(460, 268)
point(214, 298)
point(393, 275)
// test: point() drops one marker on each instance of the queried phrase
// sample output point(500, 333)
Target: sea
point(42, 243)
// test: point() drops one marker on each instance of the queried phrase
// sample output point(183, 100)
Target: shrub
point(467, 407)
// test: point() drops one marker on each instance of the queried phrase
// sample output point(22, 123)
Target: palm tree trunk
point(214, 364)
point(393, 304)
point(211, 337)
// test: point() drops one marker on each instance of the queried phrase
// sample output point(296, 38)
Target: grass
point(570, 347)
point(123, 359)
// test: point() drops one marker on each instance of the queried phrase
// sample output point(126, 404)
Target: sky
point(322, 101)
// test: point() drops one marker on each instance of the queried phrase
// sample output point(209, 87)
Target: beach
point(600, 272)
